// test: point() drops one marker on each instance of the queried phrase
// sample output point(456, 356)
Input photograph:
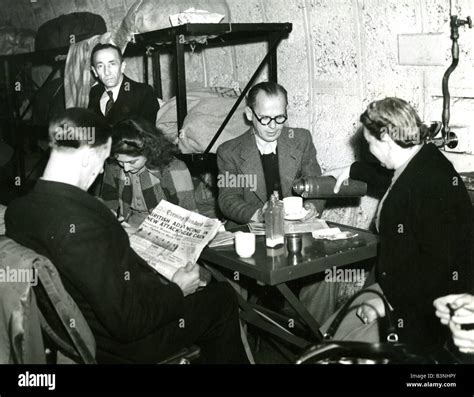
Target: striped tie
point(109, 103)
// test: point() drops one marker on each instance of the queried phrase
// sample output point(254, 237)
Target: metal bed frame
point(151, 44)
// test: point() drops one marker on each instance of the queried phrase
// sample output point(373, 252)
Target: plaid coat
point(173, 184)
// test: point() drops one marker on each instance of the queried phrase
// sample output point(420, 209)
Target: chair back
point(43, 302)
point(21, 340)
point(64, 328)
point(63, 324)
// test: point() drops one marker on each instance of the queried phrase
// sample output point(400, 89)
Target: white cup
point(293, 205)
point(244, 244)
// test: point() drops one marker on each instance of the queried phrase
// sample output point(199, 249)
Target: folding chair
point(67, 337)
point(65, 329)
point(76, 342)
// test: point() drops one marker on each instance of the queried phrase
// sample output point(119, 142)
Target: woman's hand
point(370, 310)
point(341, 174)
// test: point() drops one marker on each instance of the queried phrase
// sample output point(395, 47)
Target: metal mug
point(294, 243)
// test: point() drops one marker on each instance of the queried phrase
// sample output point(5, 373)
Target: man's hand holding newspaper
point(171, 240)
point(187, 278)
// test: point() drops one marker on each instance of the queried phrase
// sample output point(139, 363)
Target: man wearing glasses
point(266, 158)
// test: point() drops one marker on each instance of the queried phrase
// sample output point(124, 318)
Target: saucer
point(296, 217)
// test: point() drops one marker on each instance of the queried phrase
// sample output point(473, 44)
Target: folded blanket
point(204, 120)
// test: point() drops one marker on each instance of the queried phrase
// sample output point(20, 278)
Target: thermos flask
point(323, 187)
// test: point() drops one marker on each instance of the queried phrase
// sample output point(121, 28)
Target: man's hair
point(138, 137)
point(78, 127)
point(269, 87)
point(100, 46)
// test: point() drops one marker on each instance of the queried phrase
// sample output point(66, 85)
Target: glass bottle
point(274, 222)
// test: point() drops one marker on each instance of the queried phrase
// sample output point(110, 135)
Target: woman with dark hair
point(143, 171)
point(424, 219)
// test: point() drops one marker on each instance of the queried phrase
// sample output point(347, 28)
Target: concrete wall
point(341, 55)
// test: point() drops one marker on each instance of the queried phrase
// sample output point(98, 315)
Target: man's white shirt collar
point(105, 97)
point(265, 147)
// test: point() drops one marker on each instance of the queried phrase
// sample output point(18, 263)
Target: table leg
point(301, 310)
point(259, 316)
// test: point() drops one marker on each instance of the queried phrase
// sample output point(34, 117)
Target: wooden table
point(276, 267)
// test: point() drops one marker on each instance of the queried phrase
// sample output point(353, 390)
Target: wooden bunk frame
point(151, 44)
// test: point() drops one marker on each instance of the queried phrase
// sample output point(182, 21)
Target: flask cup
point(294, 243)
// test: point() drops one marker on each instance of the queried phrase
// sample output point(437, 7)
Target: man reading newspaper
point(134, 314)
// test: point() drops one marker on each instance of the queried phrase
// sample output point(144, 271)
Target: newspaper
point(223, 238)
point(308, 226)
point(172, 236)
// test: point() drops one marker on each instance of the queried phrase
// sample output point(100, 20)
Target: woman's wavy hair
point(138, 137)
point(397, 118)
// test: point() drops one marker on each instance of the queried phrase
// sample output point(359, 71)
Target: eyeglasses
point(265, 120)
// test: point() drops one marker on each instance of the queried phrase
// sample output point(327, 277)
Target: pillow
point(207, 109)
point(148, 15)
point(204, 120)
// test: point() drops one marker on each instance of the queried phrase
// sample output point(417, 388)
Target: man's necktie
point(109, 103)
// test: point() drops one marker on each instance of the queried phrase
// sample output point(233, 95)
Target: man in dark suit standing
point(117, 97)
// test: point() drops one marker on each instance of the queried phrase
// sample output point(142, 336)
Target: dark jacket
point(426, 238)
point(134, 100)
point(120, 295)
